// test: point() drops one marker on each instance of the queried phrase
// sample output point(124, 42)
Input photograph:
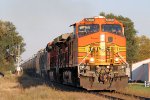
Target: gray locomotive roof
point(62, 38)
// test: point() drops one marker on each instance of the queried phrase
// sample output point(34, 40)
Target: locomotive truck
point(93, 56)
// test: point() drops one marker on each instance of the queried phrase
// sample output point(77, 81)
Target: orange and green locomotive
point(93, 56)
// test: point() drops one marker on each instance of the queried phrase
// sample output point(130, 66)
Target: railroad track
point(135, 96)
point(119, 96)
point(108, 96)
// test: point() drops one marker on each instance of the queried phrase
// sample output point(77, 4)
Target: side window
point(74, 31)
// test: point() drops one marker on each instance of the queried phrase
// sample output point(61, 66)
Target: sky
point(40, 21)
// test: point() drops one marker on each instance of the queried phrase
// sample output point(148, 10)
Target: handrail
point(83, 60)
point(123, 59)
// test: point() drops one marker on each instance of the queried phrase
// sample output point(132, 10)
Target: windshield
point(113, 28)
point(87, 29)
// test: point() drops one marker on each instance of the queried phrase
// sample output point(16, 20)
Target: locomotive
point(93, 56)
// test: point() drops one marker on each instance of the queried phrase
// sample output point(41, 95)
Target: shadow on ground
point(27, 81)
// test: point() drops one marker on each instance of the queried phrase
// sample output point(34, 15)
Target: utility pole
point(18, 60)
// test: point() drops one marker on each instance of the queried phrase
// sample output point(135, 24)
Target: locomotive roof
point(98, 19)
point(61, 38)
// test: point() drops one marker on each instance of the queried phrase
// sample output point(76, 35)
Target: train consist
point(93, 56)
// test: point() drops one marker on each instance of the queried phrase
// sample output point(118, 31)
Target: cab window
point(84, 30)
point(113, 28)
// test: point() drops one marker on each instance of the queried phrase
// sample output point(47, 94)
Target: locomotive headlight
point(108, 66)
point(81, 67)
point(92, 60)
point(102, 37)
point(116, 59)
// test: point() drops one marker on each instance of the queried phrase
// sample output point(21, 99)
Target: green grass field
point(137, 89)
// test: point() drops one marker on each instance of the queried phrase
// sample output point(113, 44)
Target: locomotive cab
point(101, 35)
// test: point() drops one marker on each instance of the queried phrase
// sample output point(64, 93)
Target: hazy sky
point(40, 21)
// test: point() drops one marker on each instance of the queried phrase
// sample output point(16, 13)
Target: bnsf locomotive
point(93, 56)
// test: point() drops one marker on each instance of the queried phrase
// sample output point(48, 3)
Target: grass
point(137, 89)
point(11, 88)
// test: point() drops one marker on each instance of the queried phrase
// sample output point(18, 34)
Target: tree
point(9, 42)
point(143, 48)
point(130, 34)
